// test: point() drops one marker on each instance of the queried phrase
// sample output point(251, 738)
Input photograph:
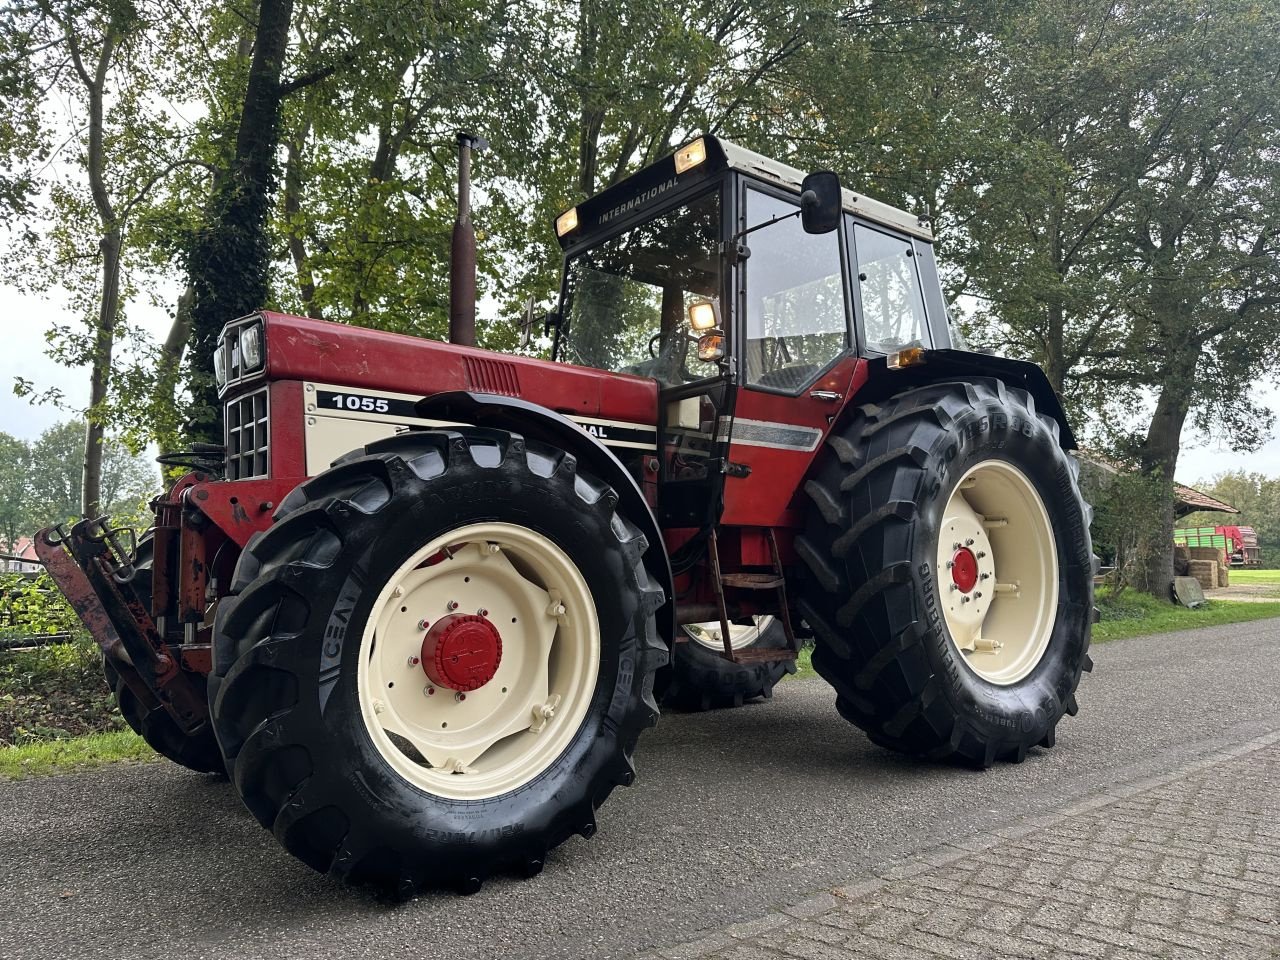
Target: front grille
point(248, 436)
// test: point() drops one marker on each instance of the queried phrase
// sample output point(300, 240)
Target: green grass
point(1239, 575)
point(1135, 614)
point(78, 753)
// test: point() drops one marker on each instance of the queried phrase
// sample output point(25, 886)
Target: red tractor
point(423, 604)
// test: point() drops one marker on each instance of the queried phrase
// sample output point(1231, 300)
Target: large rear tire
point(402, 559)
point(702, 679)
point(196, 751)
point(951, 572)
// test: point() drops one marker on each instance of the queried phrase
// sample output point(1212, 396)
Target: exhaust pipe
point(462, 263)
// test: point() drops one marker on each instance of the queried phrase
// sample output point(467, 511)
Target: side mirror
point(526, 323)
point(820, 202)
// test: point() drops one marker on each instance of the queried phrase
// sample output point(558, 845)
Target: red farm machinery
point(423, 603)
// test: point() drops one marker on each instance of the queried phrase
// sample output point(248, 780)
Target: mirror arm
point(737, 237)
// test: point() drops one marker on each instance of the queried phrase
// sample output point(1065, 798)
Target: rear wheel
point(951, 572)
point(437, 663)
point(196, 751)
point(702, 678)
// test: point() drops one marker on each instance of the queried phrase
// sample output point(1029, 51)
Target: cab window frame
point(854, 270)
point(719, 183)
point(741, 269)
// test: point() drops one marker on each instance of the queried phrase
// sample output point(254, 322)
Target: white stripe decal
point(776, 436)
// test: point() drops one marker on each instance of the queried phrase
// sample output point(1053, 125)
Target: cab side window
point(888, 288)
point(796, 320)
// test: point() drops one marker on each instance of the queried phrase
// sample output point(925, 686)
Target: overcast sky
point(24, 320)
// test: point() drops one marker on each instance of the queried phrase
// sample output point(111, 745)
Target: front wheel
point(437, 663)
point(951, 573)
point(701, 677)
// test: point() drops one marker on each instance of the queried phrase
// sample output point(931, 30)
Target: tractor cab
point(747, 291)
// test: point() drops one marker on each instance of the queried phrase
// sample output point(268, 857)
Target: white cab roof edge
point(748, 161)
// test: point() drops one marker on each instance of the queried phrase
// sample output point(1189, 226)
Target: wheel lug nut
point(459, 697)
point(984, 576)
point(423, 624)
point(452, 605)
point(981, 554)
point(482, 612)
point(969, 542)
point(413, 661)
point(429, 690)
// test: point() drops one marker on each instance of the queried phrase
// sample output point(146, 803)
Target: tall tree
point(108, 63)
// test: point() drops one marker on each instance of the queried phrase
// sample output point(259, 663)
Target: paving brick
point(1185, 866)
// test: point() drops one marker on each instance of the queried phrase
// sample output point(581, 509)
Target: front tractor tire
point(701, 677)
point(950, 587)
point(435, 666)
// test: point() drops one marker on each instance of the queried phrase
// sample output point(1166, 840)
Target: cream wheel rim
point(740, 634)
point(480, 743)
point(998, 572)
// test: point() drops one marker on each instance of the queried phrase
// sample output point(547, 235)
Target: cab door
point(794, 355)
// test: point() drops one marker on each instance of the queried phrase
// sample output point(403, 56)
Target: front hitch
point(92, 570)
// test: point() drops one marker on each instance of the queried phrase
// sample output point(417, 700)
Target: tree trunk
point(1159, 461)
point(229, 260)
point(100, 373)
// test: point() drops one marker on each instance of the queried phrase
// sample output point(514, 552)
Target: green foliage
point(1126, 506)
point(54, 693)
point(32, 604)
point(40, 481)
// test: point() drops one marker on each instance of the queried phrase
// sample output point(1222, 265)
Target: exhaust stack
point(462, 263)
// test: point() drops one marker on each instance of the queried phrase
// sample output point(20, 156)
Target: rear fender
point(538, 423)
point(949, 365)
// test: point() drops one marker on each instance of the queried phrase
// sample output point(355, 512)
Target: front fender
point(539, 423)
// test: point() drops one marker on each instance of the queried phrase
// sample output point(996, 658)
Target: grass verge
point(77, 753)
point(1134, 614)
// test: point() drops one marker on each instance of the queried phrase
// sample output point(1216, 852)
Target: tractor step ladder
point(774, 581)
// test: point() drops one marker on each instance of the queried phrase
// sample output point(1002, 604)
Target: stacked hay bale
point(1205, 572)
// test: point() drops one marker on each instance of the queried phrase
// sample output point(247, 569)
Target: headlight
point(251, 347)
point(220, 367)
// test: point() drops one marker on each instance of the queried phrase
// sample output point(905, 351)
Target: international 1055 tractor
point(423, 604)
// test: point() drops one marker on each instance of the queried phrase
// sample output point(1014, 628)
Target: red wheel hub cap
point(461, 652)
point(964, 569)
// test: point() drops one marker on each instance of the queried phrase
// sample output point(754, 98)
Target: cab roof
point(758, 165)
point(652, 181)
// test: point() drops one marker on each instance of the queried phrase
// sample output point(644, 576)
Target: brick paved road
point(1186, 865)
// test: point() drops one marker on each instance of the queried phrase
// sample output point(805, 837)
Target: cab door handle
point(825, 395)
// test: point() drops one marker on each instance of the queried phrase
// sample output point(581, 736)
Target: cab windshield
point(626, 300)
